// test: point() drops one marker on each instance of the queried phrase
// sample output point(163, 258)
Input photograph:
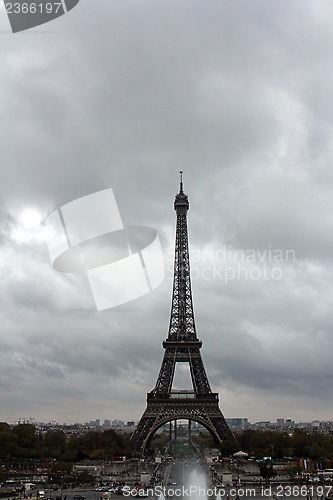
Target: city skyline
point(236, 95)
point(235, 423)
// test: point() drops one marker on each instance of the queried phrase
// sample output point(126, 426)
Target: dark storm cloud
point(237, 95)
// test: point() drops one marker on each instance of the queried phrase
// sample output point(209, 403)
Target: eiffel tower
point(182, 346)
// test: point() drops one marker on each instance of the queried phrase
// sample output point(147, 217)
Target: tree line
point(278, 445)
point(25, 441)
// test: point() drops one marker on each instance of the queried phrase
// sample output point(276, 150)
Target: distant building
point(95, 423)
point(118, 423)
point(266, 424)
point(289, 423)
point(238, 423)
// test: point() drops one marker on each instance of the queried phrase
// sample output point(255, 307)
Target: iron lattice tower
point(182, 345)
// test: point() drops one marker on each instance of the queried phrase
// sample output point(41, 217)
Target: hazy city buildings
point(236, 424)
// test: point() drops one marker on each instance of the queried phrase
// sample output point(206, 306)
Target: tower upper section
point(181, 204)
point(182, 324)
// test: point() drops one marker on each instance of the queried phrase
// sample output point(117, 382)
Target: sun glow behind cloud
point(28, 226)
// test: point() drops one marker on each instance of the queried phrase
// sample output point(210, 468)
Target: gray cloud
point(238, 95)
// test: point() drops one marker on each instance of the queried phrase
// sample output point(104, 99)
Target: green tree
point(8, 441)
point(55, 443)
point(300, 440)
point(28, 442)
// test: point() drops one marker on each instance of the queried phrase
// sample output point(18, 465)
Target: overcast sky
point(124, 94)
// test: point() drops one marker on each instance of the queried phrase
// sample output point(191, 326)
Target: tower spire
point(181, 182)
